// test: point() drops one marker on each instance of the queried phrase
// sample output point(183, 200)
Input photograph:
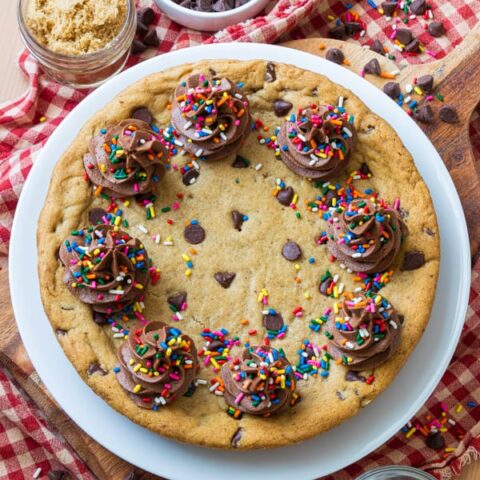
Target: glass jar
point(396, 473)
point(85, 70)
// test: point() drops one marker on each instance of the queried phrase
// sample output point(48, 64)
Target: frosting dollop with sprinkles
point(211, 116)
point(260, 381)
point(157, 365)
point(105, 267)
point(365, 235)
point(364, 333)
point(317, 142)
point(127, 159)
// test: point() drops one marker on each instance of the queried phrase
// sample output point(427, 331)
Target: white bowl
point(210, 21)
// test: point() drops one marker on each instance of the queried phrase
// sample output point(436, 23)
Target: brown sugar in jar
point(78, 42)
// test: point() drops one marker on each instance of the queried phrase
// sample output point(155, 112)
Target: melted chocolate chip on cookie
point(143, 114)
point(285, 196)
point(194, 234)
point(281, 107)
point(177, 300)
point(413, 260)
point(240, 162)
point(273, 321)
point(291, 251)
point(225, 279)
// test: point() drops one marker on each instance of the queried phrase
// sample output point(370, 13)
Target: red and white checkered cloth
point(26, 441)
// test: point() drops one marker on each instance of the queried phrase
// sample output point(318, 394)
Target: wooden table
point(13, 85)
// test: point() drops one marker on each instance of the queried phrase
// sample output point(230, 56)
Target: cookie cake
point(237, 254)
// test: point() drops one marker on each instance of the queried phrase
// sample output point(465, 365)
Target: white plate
point(322, 455)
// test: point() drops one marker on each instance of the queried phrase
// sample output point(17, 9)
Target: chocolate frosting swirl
point(126, 160)
point(317, 142)
point(211, 115)
point(105, 267)
point(365, 236)
point(260, 381)
point(365, 334)
point(157, 365)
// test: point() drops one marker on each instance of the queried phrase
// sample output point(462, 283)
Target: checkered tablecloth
point(27, 443)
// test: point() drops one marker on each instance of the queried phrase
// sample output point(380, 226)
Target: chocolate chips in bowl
point(210, 15)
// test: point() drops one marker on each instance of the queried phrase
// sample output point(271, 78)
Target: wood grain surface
point(12, 354)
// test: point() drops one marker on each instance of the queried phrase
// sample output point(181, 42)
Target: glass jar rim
point(84, 57)
point(396, 469)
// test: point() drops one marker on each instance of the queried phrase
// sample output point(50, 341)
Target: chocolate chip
point(413, 260)
point(285, 196)
point(145, 15)
point(99, 318)
point(424, 114)
point(225, 279)
point(436, 29)
point(213, 72)
point(58, 475)
point(270, 75)
point(403, 213)
point(425, 82)
point(352, 376)
point(325, 285)
point(351, 28)
point(273, 321)
point(338, 32)
point(373, 67)
point(142, 29)
point(240, 162)
point(60, 332)
point(364, 169)
point(95, 216)
point(138, 47)
point(133, 475)
point(435, 441)
point(448, 114)
point(194, 234)
point(340, 395)
point(191, 390)
point(401, 319)
point(418, 7)
point(330, 195)
point(94, 368)
point(392, 89)
point(377, 47)
point(177, 300)
point(190, 176)
point(429, 232)
point(151, 38)
point(388, 8)
point(237, 436)
point(335, 55)
point(237, 218)
point(281, 107)
point(413, 46)
point(404, 35)
point(143, 114)
point(291, 251)
point(216, 346)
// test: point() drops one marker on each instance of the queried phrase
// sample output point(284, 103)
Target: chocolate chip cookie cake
point(237, 254)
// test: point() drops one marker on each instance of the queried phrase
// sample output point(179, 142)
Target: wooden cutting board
point(457, 77)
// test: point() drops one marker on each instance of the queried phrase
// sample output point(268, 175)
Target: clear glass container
point(85, 70)
point(396, 473)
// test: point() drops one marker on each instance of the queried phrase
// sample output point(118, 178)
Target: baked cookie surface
point(253, 253)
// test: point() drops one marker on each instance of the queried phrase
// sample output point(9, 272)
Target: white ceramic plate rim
point(327, 452)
